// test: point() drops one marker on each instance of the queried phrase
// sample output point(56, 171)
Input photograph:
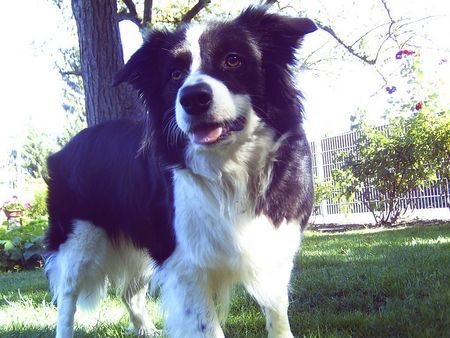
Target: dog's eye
point(176, 74)
point(233, 61)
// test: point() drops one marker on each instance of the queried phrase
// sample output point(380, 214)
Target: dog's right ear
point(137, 67)
point(277, 36)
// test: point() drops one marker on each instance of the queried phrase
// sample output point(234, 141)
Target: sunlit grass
point(365, 283)
point(26, 310)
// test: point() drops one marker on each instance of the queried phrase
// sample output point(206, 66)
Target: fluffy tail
point(89, 287)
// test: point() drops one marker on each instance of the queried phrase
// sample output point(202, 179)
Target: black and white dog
point(211, 191)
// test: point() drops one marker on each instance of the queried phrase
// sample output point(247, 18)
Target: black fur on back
point(100, 176)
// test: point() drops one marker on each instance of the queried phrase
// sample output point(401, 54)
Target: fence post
point(320, 173)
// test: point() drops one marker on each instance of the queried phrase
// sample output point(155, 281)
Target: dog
point(211, 190)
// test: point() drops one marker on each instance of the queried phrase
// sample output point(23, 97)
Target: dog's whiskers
point(171, 129)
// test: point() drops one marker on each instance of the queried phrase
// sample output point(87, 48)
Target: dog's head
point(208, 86)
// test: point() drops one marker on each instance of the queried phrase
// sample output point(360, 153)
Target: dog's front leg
point(67, 303)
point(189, 304)
point(277, 322)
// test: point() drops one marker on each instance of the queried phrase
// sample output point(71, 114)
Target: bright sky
point(31, 31)
point(31, 91)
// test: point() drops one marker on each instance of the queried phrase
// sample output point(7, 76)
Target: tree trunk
point(101, 57)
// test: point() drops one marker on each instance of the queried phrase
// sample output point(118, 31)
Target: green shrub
point(323, 190)
point(38, 205)
point(388, 164)
point(22, 247)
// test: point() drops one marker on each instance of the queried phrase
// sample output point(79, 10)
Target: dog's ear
point(278, 36)
point(137, 67)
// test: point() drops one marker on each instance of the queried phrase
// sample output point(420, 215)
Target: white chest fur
point(221, 241)
point(213, 236)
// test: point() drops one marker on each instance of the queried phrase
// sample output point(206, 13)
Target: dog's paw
point(148, 331)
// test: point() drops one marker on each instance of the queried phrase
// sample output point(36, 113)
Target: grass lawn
point(367, 283)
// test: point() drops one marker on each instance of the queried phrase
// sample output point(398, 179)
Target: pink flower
point(419, 105)
point(404, 52)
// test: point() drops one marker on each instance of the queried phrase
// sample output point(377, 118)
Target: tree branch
point(147, 18)
point(388, 11)
point(131, 7)
point(384, 80)
point(70, 72)
point(131, 15)
point(123, 15)
point(411, 22)
point(392, 29)
point(195, 10)
point(367, 33)
point(349, 48)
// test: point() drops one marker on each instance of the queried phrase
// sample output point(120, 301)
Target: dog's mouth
point(211, 133)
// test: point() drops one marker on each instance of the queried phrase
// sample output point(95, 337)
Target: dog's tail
point(60, 282)
point(223, 299)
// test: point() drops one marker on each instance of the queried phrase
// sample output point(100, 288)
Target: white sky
point(31, 89)
point(330, 100)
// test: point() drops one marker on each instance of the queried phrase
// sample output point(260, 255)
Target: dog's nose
point(196, 99)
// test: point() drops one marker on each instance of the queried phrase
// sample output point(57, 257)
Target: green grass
point(367, 283)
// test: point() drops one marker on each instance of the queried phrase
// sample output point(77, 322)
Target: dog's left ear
point(277, 35)
point(142, 62)
point(131, 71)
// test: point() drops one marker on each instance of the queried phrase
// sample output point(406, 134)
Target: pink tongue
point(207, 136)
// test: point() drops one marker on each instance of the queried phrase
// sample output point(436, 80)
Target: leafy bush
point(323, 190)
point(413, 149)
point(38, 206)
point(388, 164)
point(22, 247)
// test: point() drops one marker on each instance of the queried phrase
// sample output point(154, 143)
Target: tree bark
point(101, 57)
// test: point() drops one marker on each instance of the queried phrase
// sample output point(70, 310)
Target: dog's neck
point(239, 175)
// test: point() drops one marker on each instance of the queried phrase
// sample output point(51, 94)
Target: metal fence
point(326, 153)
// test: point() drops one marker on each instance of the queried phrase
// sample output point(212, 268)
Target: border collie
point(212, 190)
